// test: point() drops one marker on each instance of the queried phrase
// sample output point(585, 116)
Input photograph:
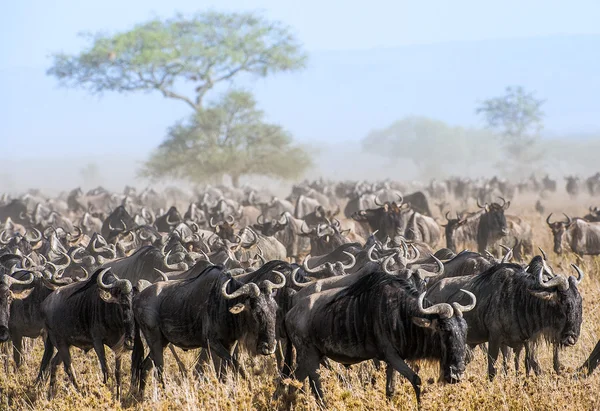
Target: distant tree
point(436, 148)
point(229, 137)
point(517, 119)
point(90, 174)
point(184, 58)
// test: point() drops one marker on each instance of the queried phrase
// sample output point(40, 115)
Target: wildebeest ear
point(506, 205)
point(21, 295)
point(107, 296)
point(421, 322)
point(238, 308)
point(545, 295)
point(345, 232)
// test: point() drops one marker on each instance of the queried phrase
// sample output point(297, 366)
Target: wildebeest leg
point(99, 348)
point(53, 367)
point(518, 351)
point(48, 353)
point(180, 365)
point(286, 370)
point(399, 365)
point(118, 374)
point(592, 362)
point(65, 353)
point(531, 362)
point(556, 358)
point(145, 367)
point(17, 341)
point(225, 356)
point(157, 348)
point(390, 381)
point(506, 352)
point(308, 364)
point(493, 351)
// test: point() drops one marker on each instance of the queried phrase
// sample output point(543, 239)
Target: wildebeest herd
point(341, 272)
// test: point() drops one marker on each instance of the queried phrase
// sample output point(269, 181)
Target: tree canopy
point(229, 137)
point(184, 58)
point(517, 119)
point(168, 55)
point(435, 147)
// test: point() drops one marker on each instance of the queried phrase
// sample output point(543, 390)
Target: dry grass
point(344, 390)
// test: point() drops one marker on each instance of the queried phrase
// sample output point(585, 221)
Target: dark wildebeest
point(88, 315)
point(8, 295)
point(118, 222)
point(492, 225)
point(582, 237)
point(166, 222)
point(572, 187)
point(211, 311)
point(25, 313)
point(515, 306)
point(380, 316)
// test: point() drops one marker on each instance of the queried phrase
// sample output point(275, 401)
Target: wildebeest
point(380, 316)
point(88, 315)
point(7, 296)
point(211, 311)
point(582, 237)
point(492, 225)
point(515, 306)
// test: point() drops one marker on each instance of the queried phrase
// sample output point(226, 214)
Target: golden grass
point(344, 390)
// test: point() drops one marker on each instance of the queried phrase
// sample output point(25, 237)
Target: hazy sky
point(40, 117)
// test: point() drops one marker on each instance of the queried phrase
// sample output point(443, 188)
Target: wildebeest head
point(558, 231)
point(224, 229)
point(7, 296)
point(113, 290)
point(270, 228)
point(593, 216)
point(563, 295)
point(260, 309)
point(450, 227)
point(448, 324)
point(494, 218)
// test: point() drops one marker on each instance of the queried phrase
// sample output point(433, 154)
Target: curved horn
point(85, 277)
point(568, 222)
point(481, 206)
point(460, 309)
point(377, 201)
point(232, 219)
point(34, 239)
point(370, 254)
point(174, 267)
point(212, 224)
point(548, 219)
point(444, 310)
point(258, 219)
point(386, 263)
point(308, 270)
point(447, 215)
point(13, 281)
point(163, 275)
point(352, 261)
point(579, 274)
point(274, 286)
point(296, 283)
point(250, 289)
point(503, 201)
point(64, 266)
point(3, 241)
point(544, 256)
point(101, 283)
point(508, 255)
point(558, 281)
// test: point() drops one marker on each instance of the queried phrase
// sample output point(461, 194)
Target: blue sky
point(349, 86)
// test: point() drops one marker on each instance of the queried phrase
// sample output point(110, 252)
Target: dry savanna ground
point(344, 389)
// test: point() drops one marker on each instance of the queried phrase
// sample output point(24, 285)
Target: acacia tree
point(229, 137)
point(517, 118)
point(183, 58)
